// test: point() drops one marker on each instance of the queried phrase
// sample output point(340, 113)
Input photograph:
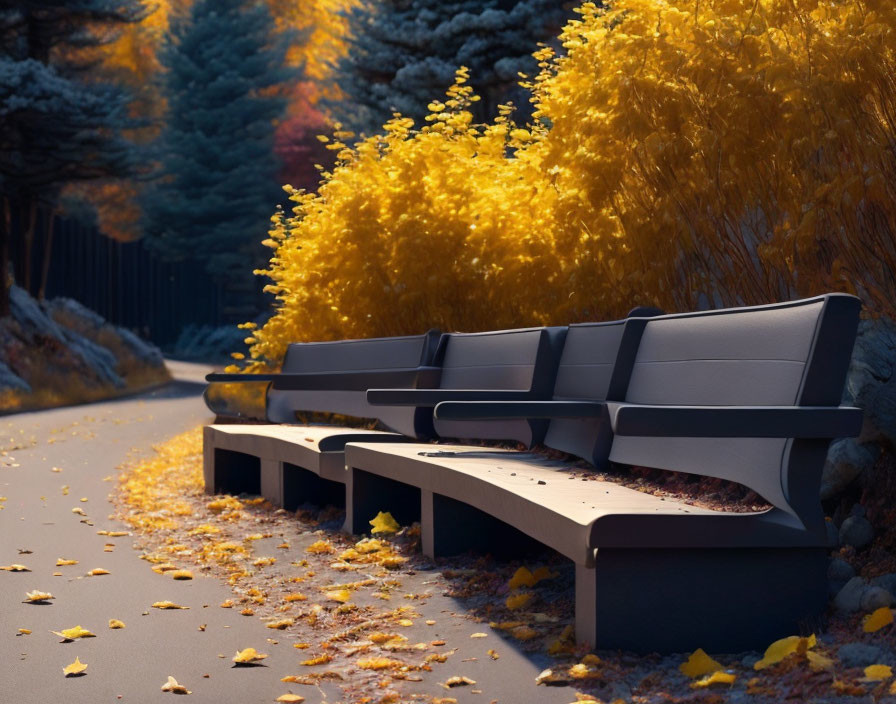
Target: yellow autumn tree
point(685, 154)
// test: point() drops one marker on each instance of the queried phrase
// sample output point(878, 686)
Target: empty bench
point(294, 464)
point(749, 395)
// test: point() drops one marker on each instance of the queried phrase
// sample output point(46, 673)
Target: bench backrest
point(594, 366)
point(371, 355)
point(516, 360)
point(788, 354)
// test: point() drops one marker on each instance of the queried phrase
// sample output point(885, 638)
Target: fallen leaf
point(379, 663)
point(281, 624)
point(249, 656)
point(877, 673)
point(15, 568)
point(715, 678)
point(518, 601)
point(479, 635)
point(877, 619)
point(524, 633)
point(458, 681)
point(581, 671)
point(70, 634)
point(292, 698)
point(99, 571)
point(699, 664)
point(62, 562)
point(115, 623)
point(493, 654)
point(294, 597)
point(24, 632)
point(76, 668)
point(319, 660)
point(780, 649)
point(340, 595)
point(36, 597)
point(168, 605)
point(79, 511)
point(818, 662)
point(383, 522)
point(227, 604)
point(180, 574)
point(172, 686)
point(320, 547)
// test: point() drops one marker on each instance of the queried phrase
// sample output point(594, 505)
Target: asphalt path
point(82, 447)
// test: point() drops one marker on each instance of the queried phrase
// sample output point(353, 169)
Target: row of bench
point(749, 395)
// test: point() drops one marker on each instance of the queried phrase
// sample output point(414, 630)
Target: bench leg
point(367, 494)
point(230, 472)
point(302, 486)
point(272, 481)
point(677, 600)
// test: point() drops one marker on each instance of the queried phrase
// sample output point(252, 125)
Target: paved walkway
point(81, 447)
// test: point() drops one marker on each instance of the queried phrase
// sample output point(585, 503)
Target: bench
point(749, 395)
point(294, 464)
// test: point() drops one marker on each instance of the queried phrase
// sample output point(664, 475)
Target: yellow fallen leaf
point(458, 681)
point(715, 678)
point(83, 499)
point(115, 623)
point(73, 633)
point(379, 663)
point(818, 662)
point(264, 561)
point(62, 562)
point(379, 638)
point(76, 668)
point(877, 619)
point(479, 635)
point(543, 573)
point(172, 686)
point(301, 646)
point(521, 578)
point(582, 671)
point(291, 698)
point(784, 647)
point(877, 673)
point(383, 522)
point(524, 633)
point(248, 656)
point(320, 547)
point(699, 664)
point(227, 604)
point(294, 597)
point(25, 631)
point(319, 660)
point(79, 511)
point(36, 597)
point(340, 595)
point(518, 601)
point(281, 624)
point(406, 622)
point(168, 605)
point(180, 574)
point(98, 572)
point(366, 546)
point(115, 533)
point(15, 568)
point(493, 654)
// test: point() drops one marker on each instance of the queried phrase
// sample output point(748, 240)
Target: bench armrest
point(358, 380)
point(735, 421)
point(221, 377)
point(491, 410)
point(431, 397)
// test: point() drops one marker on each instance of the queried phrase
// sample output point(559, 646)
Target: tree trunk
point(48, 250)
point(29, 242)
point(5, 227)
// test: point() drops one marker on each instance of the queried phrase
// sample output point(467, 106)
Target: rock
point(840, 570)
point(875, 598)
point(858, 510)
point(886, 581)
point(846, 460)
point(833, 534)
point(861, 654)
point(856, 531)
point(870, 382)
point(10, 382)
point(849, 598)
point(750, 660)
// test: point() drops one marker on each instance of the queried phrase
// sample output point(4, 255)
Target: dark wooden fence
point(131, 286)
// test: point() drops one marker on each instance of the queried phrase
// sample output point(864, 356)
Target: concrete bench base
point(288, 465)
point(665, 599)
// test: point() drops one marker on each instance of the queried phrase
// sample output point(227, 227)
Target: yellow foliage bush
point(685, 154)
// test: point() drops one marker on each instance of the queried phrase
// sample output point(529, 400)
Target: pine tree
point(57, 126)
point(217, 184)
point(404, 54)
